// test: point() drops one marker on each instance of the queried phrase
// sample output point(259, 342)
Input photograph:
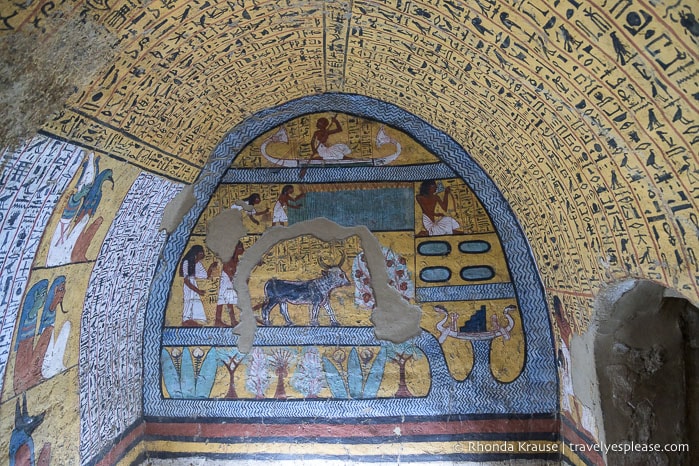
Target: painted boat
point(281, 137)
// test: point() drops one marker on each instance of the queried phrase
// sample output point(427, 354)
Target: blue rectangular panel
point(387, 209)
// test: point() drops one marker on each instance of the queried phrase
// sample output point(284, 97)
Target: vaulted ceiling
point(585, 114)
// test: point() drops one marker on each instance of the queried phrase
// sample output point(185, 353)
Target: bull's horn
point(325, 266)
point(322, 263)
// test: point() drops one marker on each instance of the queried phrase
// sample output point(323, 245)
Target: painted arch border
point(482, 394)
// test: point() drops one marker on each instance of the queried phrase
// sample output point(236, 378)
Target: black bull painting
point(315, 293)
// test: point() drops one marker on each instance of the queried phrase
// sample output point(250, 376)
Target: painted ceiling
point(583, 113)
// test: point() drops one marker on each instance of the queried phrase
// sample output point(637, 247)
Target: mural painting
point(113, 316)
point(330, 139)
point(40, 351)
point(440, 250)
point(32, 182)
point(78, 224)
point(603, 94)
point(38, 341)
point(76, 231)
point(82, 190)
point(43, 361)
point(287, 373)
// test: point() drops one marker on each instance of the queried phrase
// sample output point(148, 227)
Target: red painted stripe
point(124, 445)
point(428, 428)
point(571, 436)
point(225, 430)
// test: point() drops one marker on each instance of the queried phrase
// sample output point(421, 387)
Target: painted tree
point(231, 359)
point(258, 373)
point(400, 355)
point(308, 378)
point(280, 361)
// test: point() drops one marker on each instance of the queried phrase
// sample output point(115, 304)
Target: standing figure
point(192, 269)
point(319, 141)
point(435, 223)
point(248, 206)
point(43, 360)
point(226, 294)
point(283, 201)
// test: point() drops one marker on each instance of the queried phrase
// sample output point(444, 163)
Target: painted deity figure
point(435, 223)
point(191, 269)
point(40, 353)
point(285, 200)
point(22, 451)
point(74, 232)
point(319, 140)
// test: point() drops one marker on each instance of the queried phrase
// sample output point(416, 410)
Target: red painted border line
point(580, 294)
point(569, 435)
point(226, 429)
point(125, 445)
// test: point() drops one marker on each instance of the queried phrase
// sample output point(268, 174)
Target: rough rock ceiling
point(584, 113)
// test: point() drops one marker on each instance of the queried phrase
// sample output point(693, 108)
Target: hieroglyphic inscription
point(95, 135)
point(603, 94)
point(32, 181)
point(216, 54)
point(337, 25)
point(602, 118)
point(111, 323)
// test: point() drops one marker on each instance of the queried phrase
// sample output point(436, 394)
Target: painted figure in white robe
point(319, 141)
point(227, 296)
point(191, 269)
point(74, 232)
point(435, 223)
point(285, 200)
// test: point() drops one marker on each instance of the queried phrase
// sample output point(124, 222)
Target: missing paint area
point(36, 81)
point(394, 319)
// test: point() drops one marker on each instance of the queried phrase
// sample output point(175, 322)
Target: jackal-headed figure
point(21, 442)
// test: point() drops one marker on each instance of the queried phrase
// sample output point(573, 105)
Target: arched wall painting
point(456, 252)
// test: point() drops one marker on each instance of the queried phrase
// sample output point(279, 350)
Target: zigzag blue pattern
point(273, 336)
point(332, 175)
point(534, 391)
point(466, 292)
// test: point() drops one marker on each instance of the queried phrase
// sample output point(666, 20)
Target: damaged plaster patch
point(394, 319)
point(582, 349)
point(223, 233)
point(39, 70)
point(177, 208)
point(644, 366)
